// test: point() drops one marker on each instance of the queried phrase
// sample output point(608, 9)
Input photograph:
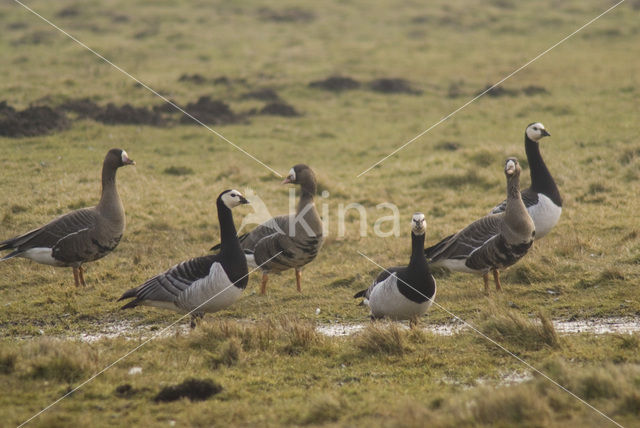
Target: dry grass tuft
point(231, 353)
point(511, 327)
point(322, 409)
point(383, 338)
point(58, 360)
point(299, 336)
point(7, 362)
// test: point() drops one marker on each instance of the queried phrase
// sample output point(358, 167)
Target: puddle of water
point(132, 331)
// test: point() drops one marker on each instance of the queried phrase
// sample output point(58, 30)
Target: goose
point(82, 235)
point(403, 292)
point(203, 284)
point(287, 241)
point(542, 198)
point(494, 242)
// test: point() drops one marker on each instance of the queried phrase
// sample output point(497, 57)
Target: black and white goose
point(82, 235)
point(406, 292)
point(203, 284)
point(494, 242)
point(287, 241)
point(542, 198)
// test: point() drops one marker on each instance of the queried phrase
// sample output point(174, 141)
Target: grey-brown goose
point(288, 241)
point(493, 242)
point(203, 284)
point(542, 198)
point(80, 236)
point(404, 292)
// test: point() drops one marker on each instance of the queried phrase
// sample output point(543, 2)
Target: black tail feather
point(361, 293)
point(128, 295)
point(434, 249)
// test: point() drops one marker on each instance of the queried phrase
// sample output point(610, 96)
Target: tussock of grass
point(382, 338)
point(322, 409)
point(58, 360)
point(178, 170)
point(7, 362)
point(507, 406)
point(231, 353)
point(508, 326)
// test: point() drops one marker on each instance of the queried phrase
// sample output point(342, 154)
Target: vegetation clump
point(193, 389)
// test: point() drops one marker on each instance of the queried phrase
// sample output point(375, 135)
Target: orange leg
point(496, 279)
point(81, 275)
point(485, 278)
point(76, 276)
point(263, 283)
point(298, 279)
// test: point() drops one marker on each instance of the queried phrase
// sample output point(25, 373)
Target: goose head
point(117, 158)
point(304, 176)
point(232, 198)
point(512, 168)
point(418, 224)
point(536, 131)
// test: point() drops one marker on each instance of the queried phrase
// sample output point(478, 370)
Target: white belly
point(41, 255)
point(387, 301)
point(545, 215)
point(455, 265)
point(209, 294)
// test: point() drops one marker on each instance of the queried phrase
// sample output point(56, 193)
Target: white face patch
point(232, 198)
point(510, 166)
point(292, 175)
point(535, 131)
point(124, 157)
point(418, 224)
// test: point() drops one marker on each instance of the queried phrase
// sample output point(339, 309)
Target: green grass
point(273, 367)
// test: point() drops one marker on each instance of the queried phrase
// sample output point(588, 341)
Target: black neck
point(228, 236)
point(541, 180)
point(415, 282)
point(418, 260)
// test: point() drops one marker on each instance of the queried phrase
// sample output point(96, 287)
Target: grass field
point(273, 366)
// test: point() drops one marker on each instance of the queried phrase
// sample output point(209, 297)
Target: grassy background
point(449, 52)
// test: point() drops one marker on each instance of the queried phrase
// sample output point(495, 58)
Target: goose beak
point(244, 200)
point(545, 133)
point(128, 161)
point(287, 180)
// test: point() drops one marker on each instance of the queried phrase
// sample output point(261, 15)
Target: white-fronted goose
point(288, 241)
point(493, 242)
point(542, 198)
point(80, 236)
point(403, 292)
point(214, 281)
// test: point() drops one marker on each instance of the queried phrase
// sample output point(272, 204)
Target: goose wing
point(463, 243)
point(382, 276)
point(61, 231)
point(167, 286)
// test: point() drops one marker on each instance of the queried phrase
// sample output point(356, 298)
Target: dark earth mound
point(125, 391)
point(193, 389)
point(84, 108)
point(265, 94)
point(534, 90)
point(32, 121)
point(336, 83)
point(165, 107)
point(292, 14)
point(393, 86)
point(279, 109)
point(129, 115)
point(209, 111)
point(196, 78)
point(498, 91)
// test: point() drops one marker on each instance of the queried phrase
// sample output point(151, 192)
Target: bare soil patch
point(393, 86)
point(279, 109)
point(209, 111)
point(193, 389)
point(336, 83)
point(32, 121)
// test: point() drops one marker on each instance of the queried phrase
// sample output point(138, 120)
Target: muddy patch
point(30, 122)
point(393, 86)
point(212, 112)
point(196, 78)
point(193, 389)
point(336, 84)
point(83, 108)
point(279, 109)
